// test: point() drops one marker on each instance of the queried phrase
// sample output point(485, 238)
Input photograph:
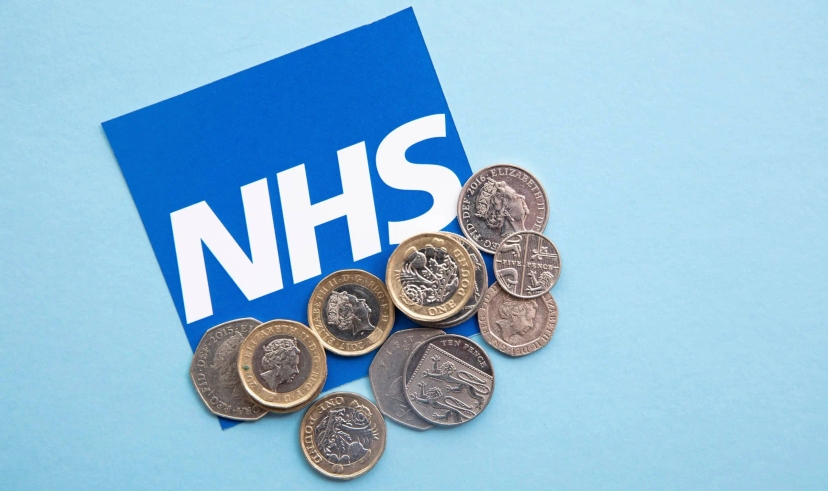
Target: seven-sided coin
point(448, 380)
point(282, 364)
point(500, 200)
point(527, 264)
point(430, 277)
point(386, 374)
point(343, 435)
point(213, 371)
point(351, 312)
point(517, 326)
point(481, 281)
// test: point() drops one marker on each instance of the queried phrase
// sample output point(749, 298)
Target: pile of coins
point(421, 377)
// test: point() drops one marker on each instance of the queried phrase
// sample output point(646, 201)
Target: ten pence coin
point(213, 371)
point(527, 265)
point(386, 374)
point(430, 277)
point(498, 201)
point(351, 311)
point(449, 380)
point(517, 326)
point(343, 435)
point(282, 364)
point(481, 281)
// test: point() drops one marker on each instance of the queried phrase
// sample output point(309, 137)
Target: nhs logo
point(254, 187)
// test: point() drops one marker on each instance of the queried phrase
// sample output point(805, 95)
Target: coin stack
point(420, 377)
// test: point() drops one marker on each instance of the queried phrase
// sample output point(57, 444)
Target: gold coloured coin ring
point(430, 277)
point(351, 312)
point(282, 364)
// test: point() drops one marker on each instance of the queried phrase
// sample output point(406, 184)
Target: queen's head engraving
point(502, 207)
point(516, 319)
point(280, 363)
point(348, 312)
point(224, 362)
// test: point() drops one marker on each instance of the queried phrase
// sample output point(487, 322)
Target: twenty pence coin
point(351, 312)
point(386, 374)
point(282, 364)
point(517, 326)
point(527, 264)
point(498, 201)
point(481, 281)
point(430, 277)
point(343, 435)
point(213, 371)
point(449, 380)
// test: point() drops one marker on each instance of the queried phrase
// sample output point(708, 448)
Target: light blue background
point(684, 150)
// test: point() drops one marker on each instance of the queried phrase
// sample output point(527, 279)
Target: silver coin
point(517, 326)
point(214, 374)
point(498, 201)
point(527, 264)
point(481, 281)
point(448, 380)
point(386, 374)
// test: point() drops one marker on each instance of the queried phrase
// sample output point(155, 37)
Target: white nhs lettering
point(261, 274)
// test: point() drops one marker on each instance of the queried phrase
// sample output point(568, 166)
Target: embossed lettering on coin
point(343, 435)
point(213, 371)
point(386, 374)
point(481, 281)
point(449, 380)
point(282, 365)
point(517, 326)
point(351, 311)
point(498, 201)
point(430, 277)
point(527, 264)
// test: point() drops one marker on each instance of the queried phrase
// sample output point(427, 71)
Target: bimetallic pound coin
point(386, 374)
point(282, 365)
point(430, 277)
point(343, 435)
point(351, 312)
point(481, 281)
point(498, 201)
point(527, 265)
point(517, 326)
point(213, 371)
point(448, 380)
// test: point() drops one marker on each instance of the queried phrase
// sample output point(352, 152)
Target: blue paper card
point(256, 186)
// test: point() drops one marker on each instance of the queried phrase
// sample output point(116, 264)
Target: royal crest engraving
point(344, 434)
point(429, 276)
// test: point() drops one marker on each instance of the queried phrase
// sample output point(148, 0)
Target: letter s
point(440, 182)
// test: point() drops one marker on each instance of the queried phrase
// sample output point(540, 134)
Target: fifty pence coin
point(282, 365)
point(448, 380)
point(500, 200)
point(386, 374)
point(213, 371)
point(351, 312)
point(430, 277)
point(343, 435)
point(517, 326)
point(481, 281)
point(527, 264)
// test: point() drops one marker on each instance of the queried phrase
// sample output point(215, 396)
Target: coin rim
point(319, 330)
point(375, 457)
point(374, 390)
point(465, 187)
point(195, 385)
point(396, 296)
point(298, 402)
point(407, 398)
point(497, 277)
point(485, 328)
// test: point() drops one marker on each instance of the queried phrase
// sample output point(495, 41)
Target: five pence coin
point(527, 264)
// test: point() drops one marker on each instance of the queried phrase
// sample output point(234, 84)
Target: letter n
point(255, 277)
